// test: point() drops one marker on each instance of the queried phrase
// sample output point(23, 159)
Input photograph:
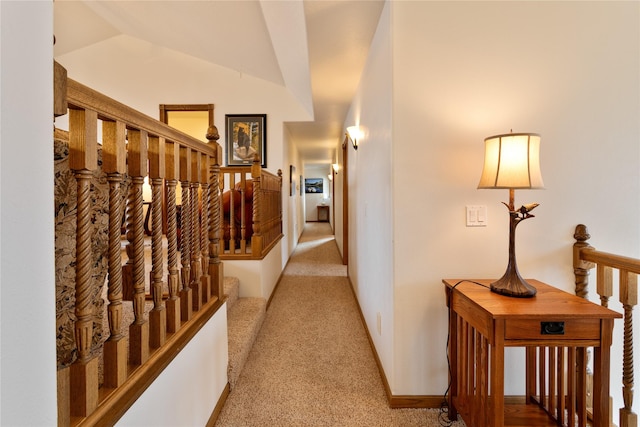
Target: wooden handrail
point(136, 147)
point(252, 217)
point(585, 258)
point(82, 97)
point(618, 262)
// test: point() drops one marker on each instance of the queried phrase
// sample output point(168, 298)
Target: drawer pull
point(552, 328)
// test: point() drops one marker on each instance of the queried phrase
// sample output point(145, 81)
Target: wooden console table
point(323, 213)
point(555, 327)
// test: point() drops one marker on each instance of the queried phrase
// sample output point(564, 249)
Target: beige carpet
point(312, 364)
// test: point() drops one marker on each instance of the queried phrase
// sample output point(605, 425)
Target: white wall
point(27, 303)
point(293, 204)
point(463, 71)
point(370, 197)
point(258, 278)
point(187, 391)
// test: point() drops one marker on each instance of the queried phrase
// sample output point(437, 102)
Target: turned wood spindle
point(172, 173)
point(137, 167)
point(186, 305)
point(83, 160)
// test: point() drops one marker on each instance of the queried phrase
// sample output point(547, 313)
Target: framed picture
point(292, 181)
point(313, 185)
point(246, 137)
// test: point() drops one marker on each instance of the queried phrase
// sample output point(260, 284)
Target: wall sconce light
point(354, 133)
point(336, 168)
point(512, 161)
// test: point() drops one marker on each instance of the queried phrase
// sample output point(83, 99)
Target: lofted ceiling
point(314, 48)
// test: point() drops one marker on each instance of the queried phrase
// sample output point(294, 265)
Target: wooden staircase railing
point(252, 217)
point(138, 147)
point(585, 258)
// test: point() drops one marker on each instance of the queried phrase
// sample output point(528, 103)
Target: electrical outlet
point(379, 324)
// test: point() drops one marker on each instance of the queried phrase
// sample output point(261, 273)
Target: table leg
point(497, 374)
point(453, 364)
point(601, 376)
point(530, 385)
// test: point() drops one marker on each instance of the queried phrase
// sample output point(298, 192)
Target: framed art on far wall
point(246, 137)
point(313, 185)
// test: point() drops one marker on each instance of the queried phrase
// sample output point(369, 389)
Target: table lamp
point(512, 161)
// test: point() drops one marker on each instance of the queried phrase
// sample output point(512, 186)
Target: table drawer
point(550, 329)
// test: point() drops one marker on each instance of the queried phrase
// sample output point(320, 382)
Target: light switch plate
point(476, 216)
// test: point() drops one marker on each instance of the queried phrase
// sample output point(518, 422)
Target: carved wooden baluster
point(114, 164)
point(605, 284)
point(243, 226)
point(158, 315)
point(172, 173)
point(186, 308)
point(205, 280)
point(628, 298)
point(215, 224)
point(232, 213)
point(196, 264)
point(221, 241)
point(256, 238)
point(137, 166)
point(83, 159)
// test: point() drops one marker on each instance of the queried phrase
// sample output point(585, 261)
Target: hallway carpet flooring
point(312, 364)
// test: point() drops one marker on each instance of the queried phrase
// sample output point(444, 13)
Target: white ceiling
point(315, 48)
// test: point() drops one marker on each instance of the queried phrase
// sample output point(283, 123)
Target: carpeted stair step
point(244, 321)
point(231, 291)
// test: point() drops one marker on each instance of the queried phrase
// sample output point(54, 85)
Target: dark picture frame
point(313, 185)
point(292, 180)
point(246, 136)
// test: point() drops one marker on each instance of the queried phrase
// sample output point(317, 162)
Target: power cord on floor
point(443, 417)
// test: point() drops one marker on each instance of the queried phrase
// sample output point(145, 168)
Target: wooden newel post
point(137, 165)
point(581, 268)
point(114, 165)
point(158, 315)
point(216, 273)
point(256, 238)
point(172, 165)
point(83, 160)
point(186, 308)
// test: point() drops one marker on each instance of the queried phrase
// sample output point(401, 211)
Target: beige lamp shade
point(512, 161)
